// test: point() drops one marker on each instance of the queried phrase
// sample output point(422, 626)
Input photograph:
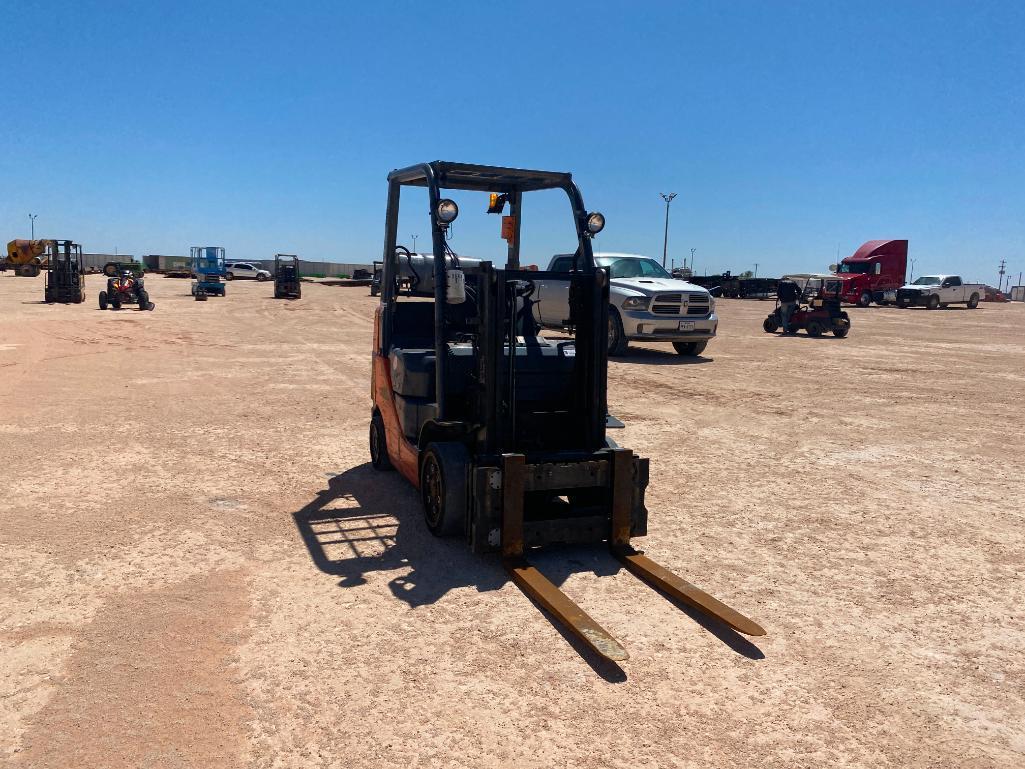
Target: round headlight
point(595, 223)
point(447, 211)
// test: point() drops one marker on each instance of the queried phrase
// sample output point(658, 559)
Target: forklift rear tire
point(814, 328)
point(378, 444)
point(617, 337)
point(443, 488)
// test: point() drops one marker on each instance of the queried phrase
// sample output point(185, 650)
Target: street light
point(665, 241)
point(910, 277)
point(414, 242)
point(32, 224)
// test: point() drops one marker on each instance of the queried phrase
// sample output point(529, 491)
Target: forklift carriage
point(65, 278)
point(208, 270)
point(501, 430)
point(286, 277)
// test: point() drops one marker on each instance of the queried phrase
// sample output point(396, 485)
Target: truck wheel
point(769, 325)
point(260, 277)
point(903, 304)
point(103, 300)
point(814, 328)
point(690, 348)
point(378, 444)
point(973, 301)
point(443, 488)
point(933, 303)
point(617, 337)
point(229, 276)
point(865, 299)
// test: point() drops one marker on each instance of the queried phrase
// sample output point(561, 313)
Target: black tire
point(865, 299)
point(443, 473)
point(932, 303)
point(903, 304)
point(115, 302)
point(143, 300)
point(689, 348)
point(617, 337)
point(944, 305)
point(80, 297)
point(973, 301)
point(201, 296)
point(769, 325)
point(299, 293)
point(261, 277)
point(379, 444)
point(48, 296)
point(814, 328)
point(110, 269)
point(841, 330)
point(229, 276)
point(103, 300)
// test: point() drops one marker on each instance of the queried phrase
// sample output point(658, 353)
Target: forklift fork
point(576, 620)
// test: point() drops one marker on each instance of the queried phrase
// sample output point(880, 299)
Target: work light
point(595, 223)
point(447, 211)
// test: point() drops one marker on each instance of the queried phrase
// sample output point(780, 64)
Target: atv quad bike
point(124, 289)
point(821, 315)
point(503, 431)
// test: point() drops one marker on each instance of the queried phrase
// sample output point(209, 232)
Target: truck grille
point(672, 304)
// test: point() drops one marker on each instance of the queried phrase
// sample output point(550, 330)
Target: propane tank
point(456, 289)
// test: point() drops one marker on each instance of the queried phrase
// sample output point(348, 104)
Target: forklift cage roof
point(467, 176)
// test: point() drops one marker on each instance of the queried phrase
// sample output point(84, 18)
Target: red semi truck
point(875, 268)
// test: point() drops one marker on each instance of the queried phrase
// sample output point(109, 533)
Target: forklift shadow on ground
point(642, 356)
point(356, 526)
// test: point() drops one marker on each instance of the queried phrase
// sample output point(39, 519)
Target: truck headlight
point(635, 303)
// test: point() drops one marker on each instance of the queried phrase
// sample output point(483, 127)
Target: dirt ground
point(200, 568)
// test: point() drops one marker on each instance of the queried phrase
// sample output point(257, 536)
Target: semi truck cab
point(876, 267)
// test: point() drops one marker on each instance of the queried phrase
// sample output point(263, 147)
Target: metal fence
point(162, 262)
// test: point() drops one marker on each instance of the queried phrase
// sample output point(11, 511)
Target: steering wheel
point(524, 288)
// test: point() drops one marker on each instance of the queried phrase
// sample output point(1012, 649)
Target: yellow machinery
point(26, 256)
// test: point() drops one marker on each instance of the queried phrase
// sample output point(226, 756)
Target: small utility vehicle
point(822, 313)
point(286, 277)
point(502, 430)
point(125, 288)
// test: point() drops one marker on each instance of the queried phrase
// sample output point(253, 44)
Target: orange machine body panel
point(404, 455)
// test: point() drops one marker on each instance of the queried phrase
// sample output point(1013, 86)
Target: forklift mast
point(496, 300)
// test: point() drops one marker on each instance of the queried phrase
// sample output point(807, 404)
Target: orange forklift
point(501, 430)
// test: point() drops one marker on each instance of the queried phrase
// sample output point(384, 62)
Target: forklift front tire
point(378, 444)
point(443, 488)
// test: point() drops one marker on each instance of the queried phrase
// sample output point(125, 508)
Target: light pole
point(32, 224)
point(756, 269)
point(912, 275)
point(414, 243)
point(665, 240)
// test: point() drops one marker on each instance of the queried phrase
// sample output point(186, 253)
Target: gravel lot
point(200, 569)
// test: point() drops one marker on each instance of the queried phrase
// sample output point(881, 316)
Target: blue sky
point(786, 129)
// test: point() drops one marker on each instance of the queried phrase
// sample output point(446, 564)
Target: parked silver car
point(246, 270)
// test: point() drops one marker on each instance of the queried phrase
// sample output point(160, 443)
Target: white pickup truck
point(646, 303)
point(932, 291)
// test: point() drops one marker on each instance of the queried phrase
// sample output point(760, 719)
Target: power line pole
point(32, 224)
point(756, 269)
point(1000, 285)
point(665, 240)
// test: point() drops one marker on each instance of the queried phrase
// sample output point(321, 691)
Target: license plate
point(686, 325)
